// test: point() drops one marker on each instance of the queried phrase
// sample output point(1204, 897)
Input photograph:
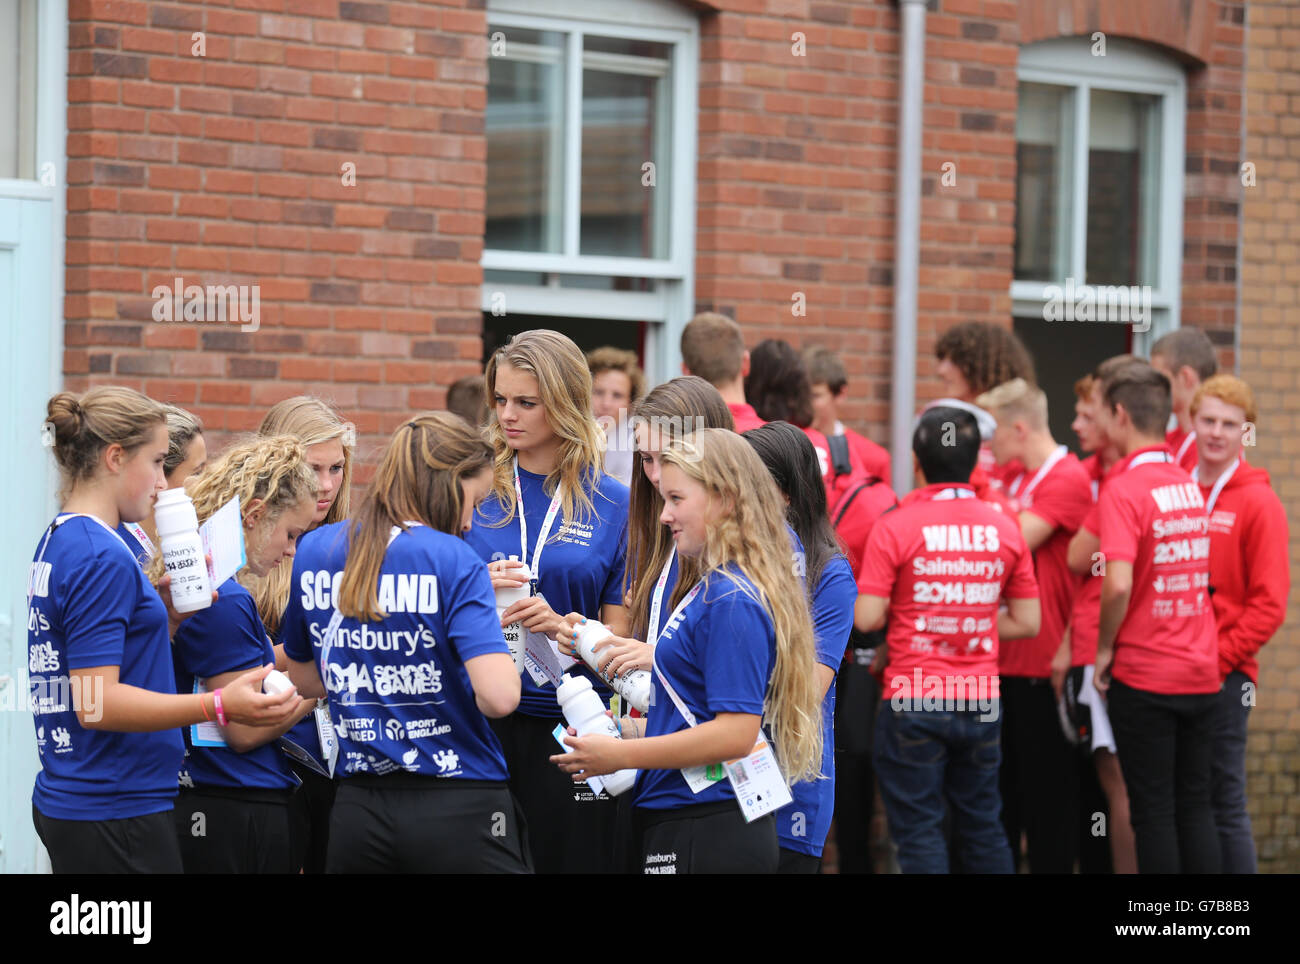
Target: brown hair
point(1144, 393)
point(713, 348)
point(777, 384)
point(985, 354)
point(84, 425)
point(182, 429)
point(418, 480)
point(609, 359)
point(467, 398)
point(825, 368)
point(1189, 347)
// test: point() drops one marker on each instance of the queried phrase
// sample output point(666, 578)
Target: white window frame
point(1126, 67)
point(672, 302)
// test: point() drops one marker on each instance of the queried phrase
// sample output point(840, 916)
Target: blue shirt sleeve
point(293, 627)
point(738, 645)
point(96, 604)
point(473, 628)
point(225, 637)
point(832, 611)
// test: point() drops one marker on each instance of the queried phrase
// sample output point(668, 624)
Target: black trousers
point(572, 831)
point(707, 838)
point(309, 819)
point(1039, 778)
point(856, 698)
point(795, 862)
point(132, 845)
point(234, 831)
point(1165, 745)
point(407, 824)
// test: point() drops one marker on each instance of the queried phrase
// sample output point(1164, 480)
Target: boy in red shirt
point(1185, 356)
point(713, 348)
point(829, 390)
point(1250, 575)
point(941, 563)
point(1157, 650)
point(1051, 495)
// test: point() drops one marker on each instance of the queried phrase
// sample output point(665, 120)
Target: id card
point(329, 741)
point(760, 788)
point(597, 785)
point(701, 778)
point(206, 733)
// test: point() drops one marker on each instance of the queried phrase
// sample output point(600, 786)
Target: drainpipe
point(907, 236)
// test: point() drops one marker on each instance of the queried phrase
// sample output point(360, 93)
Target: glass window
point(1123, 189)
point(1044, 126)
point(18, 89)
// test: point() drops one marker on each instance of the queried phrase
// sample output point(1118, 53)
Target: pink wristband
point(221, 711)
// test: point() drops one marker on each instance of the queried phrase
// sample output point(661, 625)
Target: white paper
point(596, 783)
point(223, 540)
point(541, 653)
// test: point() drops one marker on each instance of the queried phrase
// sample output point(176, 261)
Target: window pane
point(1044, 122)
point(1122, 187)
point(18, 89)
point(625, 125)
point(525, 140)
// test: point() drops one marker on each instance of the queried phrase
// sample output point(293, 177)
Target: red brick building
point(405, 183)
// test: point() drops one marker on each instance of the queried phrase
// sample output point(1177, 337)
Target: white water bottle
point(584, 711)
point(276, 683)
point(182, 551)
point(507, 597)
point(634, 686)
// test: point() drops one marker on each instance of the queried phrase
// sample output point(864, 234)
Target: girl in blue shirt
point(413, 660)
point(106, 713)
point(233, 812)
point(738, 649)
point(791, 459)
point(187, 454)
point(553, 507)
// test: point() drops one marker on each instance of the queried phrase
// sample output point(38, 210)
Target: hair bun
point(65, 414)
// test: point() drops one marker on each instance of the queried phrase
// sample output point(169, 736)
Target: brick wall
point(228, 168)
point(1270, 358)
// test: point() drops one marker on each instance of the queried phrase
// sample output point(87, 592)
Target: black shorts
point(234, 831)
point(402, 823)
point(797, 862)
point(707, 838)
point(572, 831)
point(133, 845)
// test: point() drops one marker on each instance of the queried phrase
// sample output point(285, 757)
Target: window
point(1099, 152)
point(1099, 174)
point(591, 168)
point(18, 46)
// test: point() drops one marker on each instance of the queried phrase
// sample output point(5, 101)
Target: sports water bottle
point(507, 597)
point(182, 551)
point(584, 711)
point(634, 686)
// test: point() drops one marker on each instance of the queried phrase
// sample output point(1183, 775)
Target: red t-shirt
point(944, 560)
point(745, 416)
point(866, 457)
point(855, 514)
point(1061, 497)
point(1085, 616)
point(1183, 445)
point(1153, 516)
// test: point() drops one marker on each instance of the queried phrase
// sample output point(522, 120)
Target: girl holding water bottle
point(106, 713)
point(414, 664)
point(236, 783)
point(737, 649)
point(554, 509)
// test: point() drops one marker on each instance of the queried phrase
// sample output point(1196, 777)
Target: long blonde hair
point(311, 421)
point(564, 383)
point(673, 409)
point(273, 470)
point(418, 480)
point(749, 532)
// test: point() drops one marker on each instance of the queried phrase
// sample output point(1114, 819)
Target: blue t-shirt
point(225, 637)
point(131, 534)
point(802, 824)
point(582, 562)
point(718, 655)
point(399, 693)
point(92, 606)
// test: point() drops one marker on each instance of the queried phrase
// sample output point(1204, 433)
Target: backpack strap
point(840, 462)
point(847, 499)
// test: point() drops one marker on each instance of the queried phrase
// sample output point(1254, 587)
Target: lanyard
point(1218, 486)
point(1045, 468)
point(1147, 458)
point(141, 537)
point(946, 494)
point(657, 600)
point(1191, 437)
point(687, 715)
point(534, 565)
point(49, 533)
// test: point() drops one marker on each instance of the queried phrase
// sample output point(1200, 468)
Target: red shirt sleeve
point(879, 562)
point(1268, 580)
point(1061, 503)
point(1021, 583)
point(1119, 525)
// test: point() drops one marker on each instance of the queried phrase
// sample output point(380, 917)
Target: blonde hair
point(311, 421)
point(1016, 399)
point(418, 480)
point(564, 383)
point(750, 532)
point(84, 425)
point(182, 429)
point(271, 470)
point(1226, 388)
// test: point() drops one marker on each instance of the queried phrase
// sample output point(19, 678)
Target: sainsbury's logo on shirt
point(960, 538)
point(1179, 495)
